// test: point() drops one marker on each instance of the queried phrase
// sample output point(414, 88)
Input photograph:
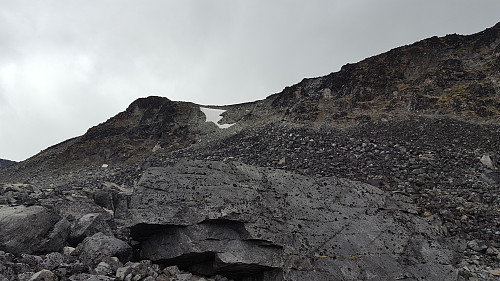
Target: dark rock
point(138, 270)
point(207, 225)
point(87, 226)
point(478, 246)
point(53, 260)
point(33, 261)
point(57, 237)
point(90, 277)
point(24, 276)
point(419, 122)
point(99, 246)
point(23, 229)
point(103, 268)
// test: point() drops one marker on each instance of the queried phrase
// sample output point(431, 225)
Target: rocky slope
point(453, 74)
point(385, 170)
point(5, 163)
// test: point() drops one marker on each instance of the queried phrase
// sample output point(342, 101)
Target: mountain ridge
point(442, 81)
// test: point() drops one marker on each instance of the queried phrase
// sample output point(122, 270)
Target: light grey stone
point(44, 275)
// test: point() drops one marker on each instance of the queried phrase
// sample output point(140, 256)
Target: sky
point(68, 65)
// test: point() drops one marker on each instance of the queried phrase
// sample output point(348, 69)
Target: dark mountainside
point(385, 170)
point(4, 163)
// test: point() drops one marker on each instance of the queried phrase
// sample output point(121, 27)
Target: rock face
point(452, 74)
point(247, 222)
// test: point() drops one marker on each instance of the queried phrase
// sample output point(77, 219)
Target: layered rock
point(248, 222)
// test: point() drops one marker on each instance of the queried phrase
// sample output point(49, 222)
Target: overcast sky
point(67, 65)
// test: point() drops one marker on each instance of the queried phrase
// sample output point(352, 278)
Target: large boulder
point(28, 229)
point(248, 222)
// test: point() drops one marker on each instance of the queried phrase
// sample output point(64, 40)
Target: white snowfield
point(214, 115)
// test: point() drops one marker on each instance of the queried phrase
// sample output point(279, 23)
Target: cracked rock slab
point(240, 220)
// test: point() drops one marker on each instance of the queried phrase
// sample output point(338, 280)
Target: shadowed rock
point(100, 246)
point(26, 229)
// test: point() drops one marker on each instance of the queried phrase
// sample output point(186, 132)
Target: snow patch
point(214, 115)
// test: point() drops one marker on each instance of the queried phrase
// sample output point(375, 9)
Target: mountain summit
point(385, 170)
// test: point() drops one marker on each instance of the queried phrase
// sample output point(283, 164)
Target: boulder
point(26, 229)
point(242, 221)
point(100, 246)
point(44, 275)
point(57, 237)
point(487, 161)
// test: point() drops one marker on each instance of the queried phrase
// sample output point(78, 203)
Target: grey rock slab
point(25, 229)
point(241, 221)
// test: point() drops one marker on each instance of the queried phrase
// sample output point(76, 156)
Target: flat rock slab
point(241, 221)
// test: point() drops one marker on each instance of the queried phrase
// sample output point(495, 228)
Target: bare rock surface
point(242, 221)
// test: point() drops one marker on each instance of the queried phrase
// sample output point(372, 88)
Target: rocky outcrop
point(385, 170)
point(248, 222)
